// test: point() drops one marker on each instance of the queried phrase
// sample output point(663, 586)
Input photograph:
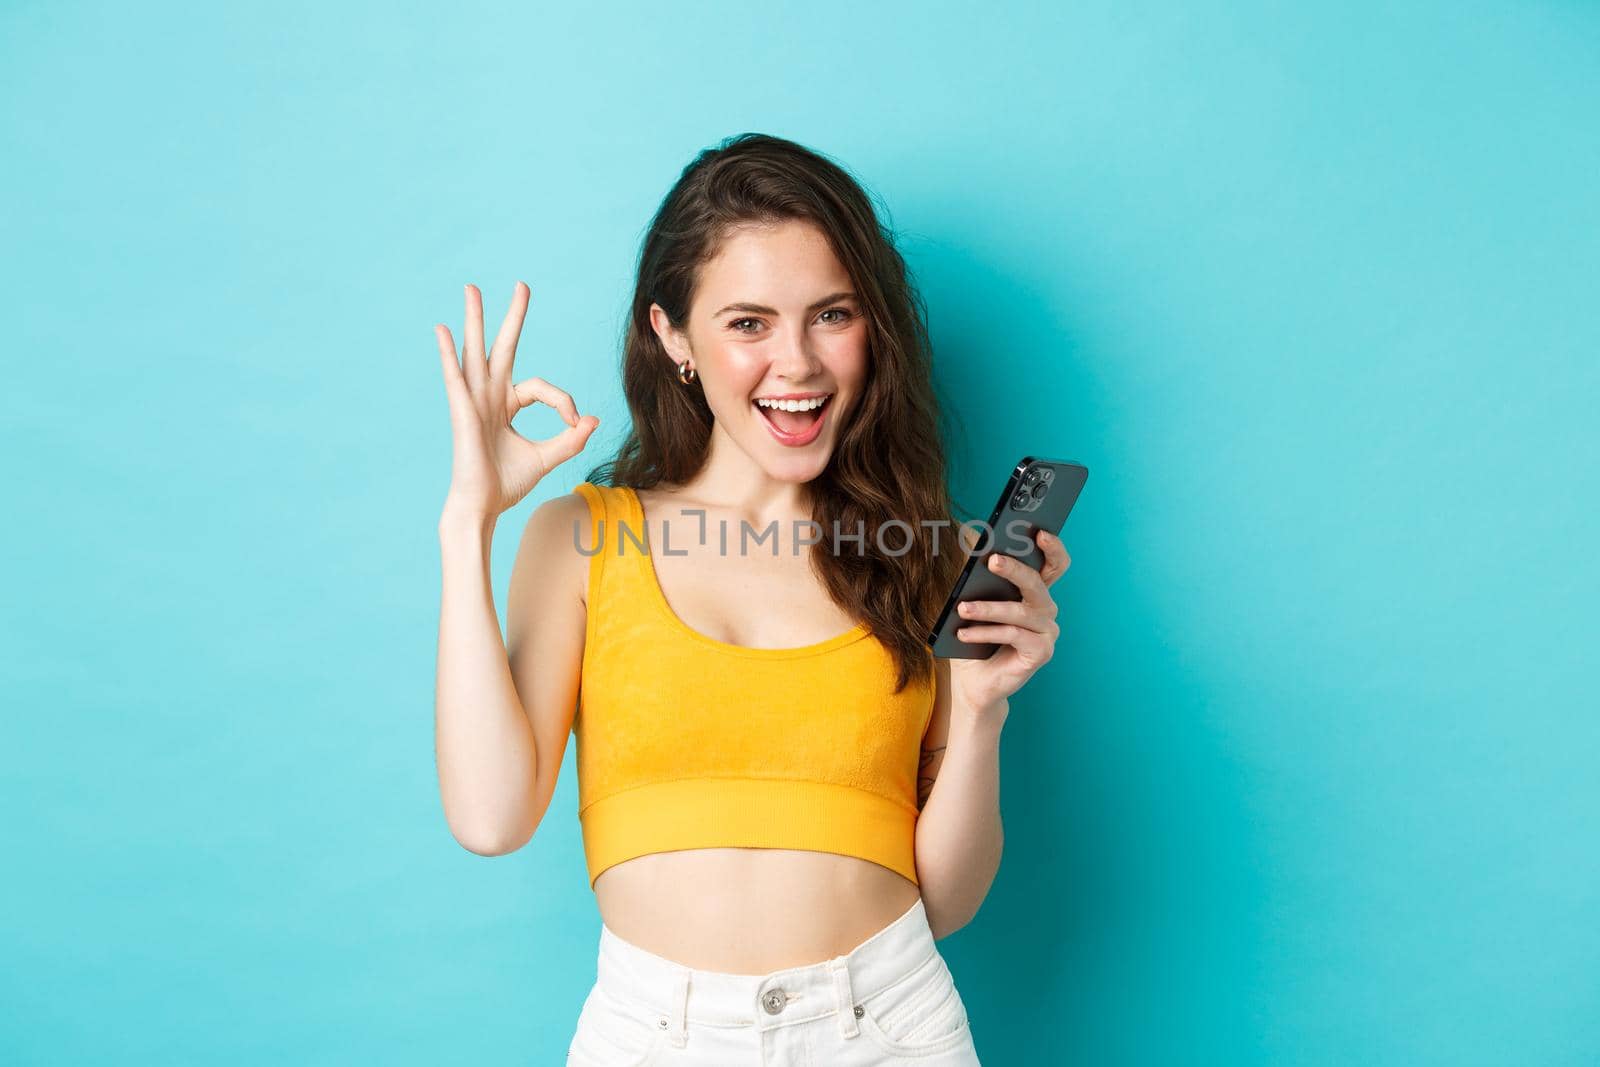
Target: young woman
point(785, 797)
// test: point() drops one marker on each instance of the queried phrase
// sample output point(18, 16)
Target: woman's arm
point(497, 713)
point(959, 837)
point(483, 741)
point(959, 833)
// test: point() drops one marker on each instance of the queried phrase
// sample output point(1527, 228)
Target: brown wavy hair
point(889, 460)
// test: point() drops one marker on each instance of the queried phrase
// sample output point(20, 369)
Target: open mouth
point(794, 421)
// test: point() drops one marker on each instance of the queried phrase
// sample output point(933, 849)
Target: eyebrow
point(762, 309)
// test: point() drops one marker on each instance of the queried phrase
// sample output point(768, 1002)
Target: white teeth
point(792, 405)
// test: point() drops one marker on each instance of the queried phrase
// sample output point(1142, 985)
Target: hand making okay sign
point(492, 465)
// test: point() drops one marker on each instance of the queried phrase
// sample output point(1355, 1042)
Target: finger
point(531, 390)
point(568, 443)
point(504, 352)
point(1056, 560)
point(1014, 612)
point(994, 633)
point(1024, 577)
point(1033, 647)
point(455, 386)
point(472, 360)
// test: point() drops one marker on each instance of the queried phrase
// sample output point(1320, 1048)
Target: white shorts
point(889, 1000)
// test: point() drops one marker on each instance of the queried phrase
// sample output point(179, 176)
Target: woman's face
point(774, 315)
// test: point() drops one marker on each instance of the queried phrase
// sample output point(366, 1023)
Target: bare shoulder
point(567, 514)
point(556, 545)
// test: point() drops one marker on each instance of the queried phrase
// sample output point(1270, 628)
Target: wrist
point(979, 720)
point(459, 522)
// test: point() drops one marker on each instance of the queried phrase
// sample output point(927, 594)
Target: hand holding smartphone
point(1037, 496)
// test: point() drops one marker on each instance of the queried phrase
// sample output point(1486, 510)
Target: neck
point(730, 479)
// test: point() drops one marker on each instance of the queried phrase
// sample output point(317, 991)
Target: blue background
point(1315, 775)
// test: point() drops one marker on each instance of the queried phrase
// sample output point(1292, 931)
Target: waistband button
point(774, 1000)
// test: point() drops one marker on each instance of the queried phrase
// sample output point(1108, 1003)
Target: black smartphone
point(1037, 497)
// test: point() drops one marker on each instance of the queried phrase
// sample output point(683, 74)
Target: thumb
point(570, 441)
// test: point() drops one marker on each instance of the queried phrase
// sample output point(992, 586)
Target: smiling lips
point(794, 423)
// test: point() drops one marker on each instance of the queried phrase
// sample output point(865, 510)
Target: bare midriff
point(749, 910)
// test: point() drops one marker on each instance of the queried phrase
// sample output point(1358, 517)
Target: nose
point(796, 361)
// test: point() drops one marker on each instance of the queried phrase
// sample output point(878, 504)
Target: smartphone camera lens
point(1022, 499)
point(1039, 490)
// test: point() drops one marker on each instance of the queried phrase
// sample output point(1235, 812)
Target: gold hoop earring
point(686, 373)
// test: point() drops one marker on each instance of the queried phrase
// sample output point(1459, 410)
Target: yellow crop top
point(685, 741)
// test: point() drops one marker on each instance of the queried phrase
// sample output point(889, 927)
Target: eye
point(735, 324)
point(843, 311)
